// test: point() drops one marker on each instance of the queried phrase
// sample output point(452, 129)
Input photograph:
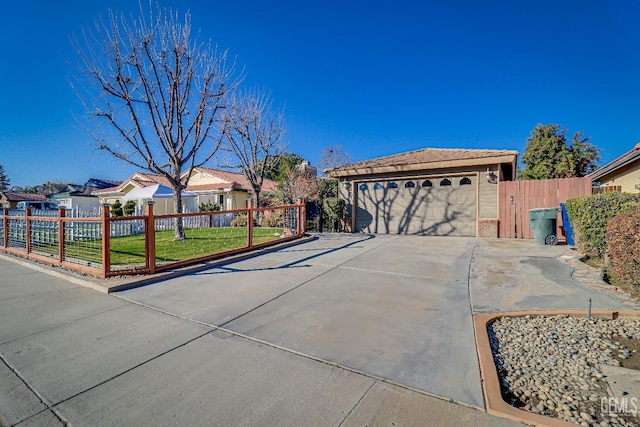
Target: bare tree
point(332, 157)
point(254, 137)
point(298, 183)
point(155, 92)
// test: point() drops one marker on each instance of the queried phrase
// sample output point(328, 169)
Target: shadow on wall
point(416, 209)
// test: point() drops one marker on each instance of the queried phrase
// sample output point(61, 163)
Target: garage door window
point(393, 185)
point(409, 184)
point(363, 187)
point(465, 181)
point(445, 182)
point(377, 186)
point(427, 183)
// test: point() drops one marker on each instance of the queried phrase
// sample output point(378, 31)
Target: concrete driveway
point(395, 307)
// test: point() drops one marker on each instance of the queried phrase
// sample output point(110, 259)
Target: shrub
point(209, 206)
point(589, 216)
point(129, 207)
point(273, 218)
point(623, 246)
point(334, 209)
point(116, 208)
point(239, 221)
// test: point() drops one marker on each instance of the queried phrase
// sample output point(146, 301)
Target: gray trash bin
point(543, 224)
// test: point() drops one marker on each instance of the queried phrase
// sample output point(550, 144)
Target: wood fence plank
point(513, 215)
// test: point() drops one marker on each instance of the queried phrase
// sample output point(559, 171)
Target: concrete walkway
point(342, 330)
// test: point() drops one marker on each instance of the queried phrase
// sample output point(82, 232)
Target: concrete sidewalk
point(72, 355)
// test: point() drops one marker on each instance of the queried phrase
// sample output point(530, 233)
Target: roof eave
point(448, 164)
point(611, 167)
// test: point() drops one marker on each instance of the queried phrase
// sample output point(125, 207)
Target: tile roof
point(24, 197)
point(238, 178)
point(139, 179)
point(426, 155)
point(622, 161)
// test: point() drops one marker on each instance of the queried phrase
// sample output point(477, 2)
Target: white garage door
point(443, 206)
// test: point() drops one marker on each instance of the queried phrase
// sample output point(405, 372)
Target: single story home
point(432, 191)
point(10, 199)
point(623, 172)
point(229, 190)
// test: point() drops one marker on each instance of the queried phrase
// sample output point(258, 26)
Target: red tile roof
point(237, 178)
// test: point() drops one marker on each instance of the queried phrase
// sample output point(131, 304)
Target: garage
point(432, 192)
point(438, 206)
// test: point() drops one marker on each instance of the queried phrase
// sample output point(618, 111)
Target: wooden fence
point(107, 246)
point(515, 198)
point(607, 189)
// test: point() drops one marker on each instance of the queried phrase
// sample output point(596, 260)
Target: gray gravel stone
point(550, 364)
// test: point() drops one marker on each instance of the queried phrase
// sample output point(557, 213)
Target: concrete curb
point(108, 286)
point(494, 403)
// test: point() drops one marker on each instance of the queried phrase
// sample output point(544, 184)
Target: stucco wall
point(627, 178)
point(232, 199)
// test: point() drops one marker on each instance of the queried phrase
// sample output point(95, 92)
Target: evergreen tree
point(4, 179)
point(548, 156)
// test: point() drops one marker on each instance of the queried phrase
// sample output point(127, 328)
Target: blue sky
point(377, 77)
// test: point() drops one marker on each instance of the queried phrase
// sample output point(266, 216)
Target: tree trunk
point(177, 223)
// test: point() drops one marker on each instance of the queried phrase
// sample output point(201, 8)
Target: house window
point(427, 183)
point(377, 186)
point(409, 184)
point(465, 181)
point(393, 185)
point(221, 199)
point(363, 187)
point(445, 182)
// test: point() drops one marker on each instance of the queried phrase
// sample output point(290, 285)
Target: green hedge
point(623, 246)
point(589, 216)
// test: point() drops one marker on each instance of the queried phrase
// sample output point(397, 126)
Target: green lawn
point(129, 250)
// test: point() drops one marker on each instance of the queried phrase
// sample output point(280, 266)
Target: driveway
point(394, 307)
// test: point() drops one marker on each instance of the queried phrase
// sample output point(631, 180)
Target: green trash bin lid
point(543, 213)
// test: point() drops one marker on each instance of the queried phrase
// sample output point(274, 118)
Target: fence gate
point(515, 198)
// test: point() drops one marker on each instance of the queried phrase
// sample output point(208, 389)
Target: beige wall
point(627, 178)
point(232, 199)
point(200, 178)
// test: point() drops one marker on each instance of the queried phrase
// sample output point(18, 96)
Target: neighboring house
point(622, 172)
point(136, 181)
point(81, 197)
point(440, 192)
point(10, 199)
point(228, 189)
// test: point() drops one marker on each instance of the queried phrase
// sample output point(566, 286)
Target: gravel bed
point(550, 365)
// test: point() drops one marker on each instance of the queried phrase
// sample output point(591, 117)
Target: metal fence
point(106, 246)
